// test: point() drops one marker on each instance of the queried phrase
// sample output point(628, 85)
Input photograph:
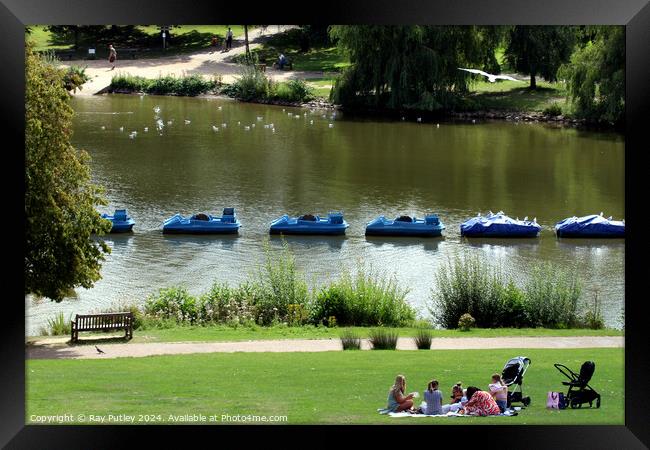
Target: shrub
point(552, 297)
point(383, 339)
point(129, 83)
point(138, 315)
point(467, 285)
point(57, 326)
point(252, 84)
point(423, 339)
point(593, 317)
point(350, 340)
point(74, 78)
point(553, 110)
point(223, 304)
point(513, 312)
point(292, 91)
point(280, 285)
point(466, 322)
point(363, 298)
point(193, 85)
point(162, 85)
point(172, 303)
point(297, 315)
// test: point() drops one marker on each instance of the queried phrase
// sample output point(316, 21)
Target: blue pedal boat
point(122, 223)
point(310, 224)
point(499, 225)
point(203, 223)
point(593, 226)
point(430, 226)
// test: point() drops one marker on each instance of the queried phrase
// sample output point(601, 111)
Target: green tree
point(64, 32)
point(411, 66)
point(60, 200)
point(539, 50)
point(596, 76)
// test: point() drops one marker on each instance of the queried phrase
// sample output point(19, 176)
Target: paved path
point(55, 349)
point(205, 62)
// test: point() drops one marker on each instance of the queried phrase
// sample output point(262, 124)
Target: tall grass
point(253, 84)
point(350, 340)
point(551, 297)
point(468, 284)
point(383, 339)
point(423, 339)
point(363, 298)
point(56, 326)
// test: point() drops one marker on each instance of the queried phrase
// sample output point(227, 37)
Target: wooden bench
point(287, 66)
point(132, 52)
point(68, 54)
point(260, 67)
point(102, 322)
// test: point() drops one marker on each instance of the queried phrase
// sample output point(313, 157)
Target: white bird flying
point(491, 78)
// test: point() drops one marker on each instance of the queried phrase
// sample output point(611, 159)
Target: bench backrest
point(101, 321)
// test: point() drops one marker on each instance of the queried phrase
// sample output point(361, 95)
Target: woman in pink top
point(480, 403)
point(499, 392)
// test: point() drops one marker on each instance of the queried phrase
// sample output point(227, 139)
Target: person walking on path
point(228, 39)
point(112, 55)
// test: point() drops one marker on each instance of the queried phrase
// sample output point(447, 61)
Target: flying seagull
point(98, 349)
point(490, 77)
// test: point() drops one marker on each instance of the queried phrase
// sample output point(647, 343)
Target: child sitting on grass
point(433, 399)
point(499, 392)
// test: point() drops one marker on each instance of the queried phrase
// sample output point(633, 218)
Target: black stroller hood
point(514, 370)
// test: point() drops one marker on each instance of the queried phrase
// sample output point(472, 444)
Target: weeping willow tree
point(596, 75)
point(411, 67)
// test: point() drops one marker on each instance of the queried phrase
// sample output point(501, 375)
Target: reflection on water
point(365, 168)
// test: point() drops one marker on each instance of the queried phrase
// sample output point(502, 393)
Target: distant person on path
point(112, 55)
point(499, 392)
point(433, 399)
point(228, 39)
point(397, 401)
point(282, 61)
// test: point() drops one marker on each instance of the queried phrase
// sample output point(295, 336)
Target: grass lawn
point(321, 86)
point(324, 388)
point(511, 95)
point(224, 333)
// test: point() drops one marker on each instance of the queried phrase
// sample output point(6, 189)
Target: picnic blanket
point(449, 414)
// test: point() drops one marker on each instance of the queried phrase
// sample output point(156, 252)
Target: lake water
point(365, 168)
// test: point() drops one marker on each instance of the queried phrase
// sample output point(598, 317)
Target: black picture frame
point(634, 14)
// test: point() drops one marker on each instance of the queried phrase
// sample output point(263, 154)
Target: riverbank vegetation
point(187, 85)
point(277, 296)
point(550, 297)
point(175, 384)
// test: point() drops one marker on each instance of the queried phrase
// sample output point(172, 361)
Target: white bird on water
point(331, 125)
point(247, 128)
point(103, 127)
point(219, 108)
point(224, 125)
point(146, 129)
point(491, 78)
point(122, 129)
point(187, 122)
point(214, 128)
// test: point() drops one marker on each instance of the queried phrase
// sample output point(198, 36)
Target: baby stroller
point(513, 377)
point(579, 390)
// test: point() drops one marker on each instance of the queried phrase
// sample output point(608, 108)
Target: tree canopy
point(411, 66)
point(60, 200)
point(539, 50)
point(596, 76)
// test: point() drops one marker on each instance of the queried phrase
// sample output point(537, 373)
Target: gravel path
point(205, 62)
point(55, 349)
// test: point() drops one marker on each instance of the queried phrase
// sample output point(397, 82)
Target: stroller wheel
point(598, 402)
point(525, 401)
point(575, 404)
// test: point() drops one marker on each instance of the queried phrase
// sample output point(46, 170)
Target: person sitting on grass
point(480, 403)
point(433, 399)
point(499, 392)
point(397, 401)
point(458, 399)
